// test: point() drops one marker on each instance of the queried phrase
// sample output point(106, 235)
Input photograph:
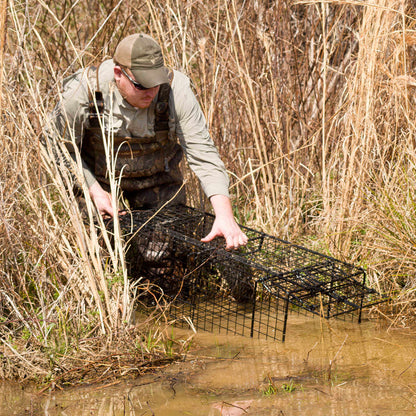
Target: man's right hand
point(102, 200)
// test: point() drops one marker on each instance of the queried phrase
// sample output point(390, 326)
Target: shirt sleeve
point(68, 119)
point(193, 135)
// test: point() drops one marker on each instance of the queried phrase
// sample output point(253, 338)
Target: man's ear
point(117, 72)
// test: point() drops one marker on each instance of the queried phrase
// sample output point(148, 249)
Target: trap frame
point(249, 291)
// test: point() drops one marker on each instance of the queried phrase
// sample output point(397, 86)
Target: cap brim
point(151, 77)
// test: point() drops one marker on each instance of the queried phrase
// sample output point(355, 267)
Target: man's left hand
point(225, 224)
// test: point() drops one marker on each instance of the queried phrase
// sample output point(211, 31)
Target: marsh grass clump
point(310, 103)
point(273, 387)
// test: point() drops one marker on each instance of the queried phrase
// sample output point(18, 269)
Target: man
point(145, 109)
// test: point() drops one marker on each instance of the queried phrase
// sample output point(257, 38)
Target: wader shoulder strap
point(162, 106)
point(95, 99)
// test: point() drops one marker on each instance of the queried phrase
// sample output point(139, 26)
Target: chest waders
point(147, 168)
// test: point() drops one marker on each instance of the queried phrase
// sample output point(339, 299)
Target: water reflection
point(324, 368)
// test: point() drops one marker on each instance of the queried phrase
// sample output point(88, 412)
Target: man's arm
point(65, 125)
point(65, 128)
point(204, 160)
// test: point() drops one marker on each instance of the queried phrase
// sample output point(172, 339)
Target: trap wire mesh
point(245, 292)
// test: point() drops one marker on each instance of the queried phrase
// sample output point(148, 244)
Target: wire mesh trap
point(245, 292)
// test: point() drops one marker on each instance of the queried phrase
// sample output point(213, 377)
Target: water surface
point(323, 368)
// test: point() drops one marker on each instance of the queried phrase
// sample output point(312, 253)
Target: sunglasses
point(135, 84)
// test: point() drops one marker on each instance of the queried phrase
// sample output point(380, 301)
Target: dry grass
point(310, 103)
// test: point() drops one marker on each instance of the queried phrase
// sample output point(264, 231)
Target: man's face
point(136, 97)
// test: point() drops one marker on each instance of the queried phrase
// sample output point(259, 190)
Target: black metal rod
point(362, 299)
point(285, 320)
point(253, 312)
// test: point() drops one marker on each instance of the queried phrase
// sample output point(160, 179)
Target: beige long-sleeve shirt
point(186, 122)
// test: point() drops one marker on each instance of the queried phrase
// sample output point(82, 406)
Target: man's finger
point(230, 244)
point(208, 237)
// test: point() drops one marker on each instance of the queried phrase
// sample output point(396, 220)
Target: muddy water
point(323, 368)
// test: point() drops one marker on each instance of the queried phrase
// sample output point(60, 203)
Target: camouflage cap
point(143, 56)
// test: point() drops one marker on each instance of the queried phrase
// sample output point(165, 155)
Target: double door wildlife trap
point(249, 291)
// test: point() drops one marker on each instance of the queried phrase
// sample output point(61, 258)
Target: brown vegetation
point(311, 104)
